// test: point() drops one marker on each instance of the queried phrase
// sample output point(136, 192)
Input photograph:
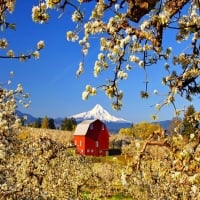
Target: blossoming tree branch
point(11, 98)
point(131, 33)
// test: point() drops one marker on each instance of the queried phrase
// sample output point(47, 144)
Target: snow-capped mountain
point(113, 123)
point(98, 112)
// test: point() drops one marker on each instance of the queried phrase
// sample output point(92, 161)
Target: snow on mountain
point(98, 112)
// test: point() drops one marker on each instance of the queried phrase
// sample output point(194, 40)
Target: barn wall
point(103, 139)
point(90, 148)
point(97, 138)
point(79, 141)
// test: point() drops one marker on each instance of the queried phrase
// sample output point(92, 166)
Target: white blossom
point(117, 6)
point(141, 63)
point(40, 45)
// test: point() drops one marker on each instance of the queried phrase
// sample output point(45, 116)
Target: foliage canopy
point(190, 124)
point(68, 124)
point(141, 130)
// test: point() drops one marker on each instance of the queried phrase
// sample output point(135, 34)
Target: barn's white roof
point(82, 128)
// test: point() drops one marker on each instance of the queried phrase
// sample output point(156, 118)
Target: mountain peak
point(98, 107)
point(98, 112)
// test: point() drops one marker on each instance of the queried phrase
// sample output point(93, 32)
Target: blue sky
point(51, 80)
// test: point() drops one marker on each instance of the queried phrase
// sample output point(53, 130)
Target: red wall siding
point(95, 142)
point(103, 139)
point(90, 146)
point(99, 134)
point(79, 141)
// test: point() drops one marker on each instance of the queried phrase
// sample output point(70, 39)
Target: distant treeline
point(68, 124)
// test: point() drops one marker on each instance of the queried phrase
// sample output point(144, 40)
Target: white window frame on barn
point(97, 143)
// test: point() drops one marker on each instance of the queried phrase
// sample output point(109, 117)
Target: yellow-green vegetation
point(141, 130)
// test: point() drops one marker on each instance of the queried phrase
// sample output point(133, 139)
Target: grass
point(120, 197)
point(118, 159)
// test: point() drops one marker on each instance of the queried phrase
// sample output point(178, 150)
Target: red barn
point(91, 137)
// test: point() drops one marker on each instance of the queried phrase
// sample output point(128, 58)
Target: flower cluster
point(89, 91)
point(71, 36)
point(94, 27)
point(8, 5)
point(10, 54)
point(100, 64)
point(122, 75)
point(77, 16)
point(3, 43)
point(110, 91)
point(52, 3)
point(40, 45)
point(117, 105)
point(9, 121)
point(98, 11)
point(39, 13)
point(9, 100)
point(188, 23)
